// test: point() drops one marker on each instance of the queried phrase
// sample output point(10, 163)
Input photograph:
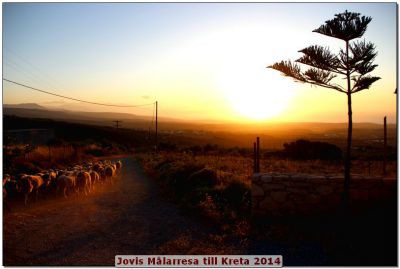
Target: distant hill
point(283, 129)
point(24, 105)
point(32, 110)
point(175, 134)
point(35, 110)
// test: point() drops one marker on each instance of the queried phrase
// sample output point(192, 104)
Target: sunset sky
point(201, 61)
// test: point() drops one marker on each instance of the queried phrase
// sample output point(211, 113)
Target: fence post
point(255, 158)
point(258, 154)
point(384, 145)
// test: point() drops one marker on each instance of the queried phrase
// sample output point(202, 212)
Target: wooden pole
point(149, 137)
point(258, 154)
point(384, 145)
point(255, 157)
point(117, 123)
point(156, 126)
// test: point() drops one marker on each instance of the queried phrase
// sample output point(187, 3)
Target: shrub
point(307, 150)
point(202, 178)
point(26, 167)
point(181, 174)
point(95, 152)
point(166, 146)
point(210, 147)
point(237, 195)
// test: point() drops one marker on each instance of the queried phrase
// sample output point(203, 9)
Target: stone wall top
point(301, 176)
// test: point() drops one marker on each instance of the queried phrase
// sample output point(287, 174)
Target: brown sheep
point(83, 182)
point(109, 172)
point(49, 178)
point(29, 184)
point(94, 176)
point(114, 167)
point(102, 174)
point(118, 165)
point(97, 167)
point(65, 183)
point(6, 179)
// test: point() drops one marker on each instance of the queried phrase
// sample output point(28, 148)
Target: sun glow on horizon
point(234, 58)
point(257, 94)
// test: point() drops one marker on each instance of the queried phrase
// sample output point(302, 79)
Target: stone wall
point(303, 194)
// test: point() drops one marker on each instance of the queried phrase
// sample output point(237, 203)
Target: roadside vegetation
point(203, 189)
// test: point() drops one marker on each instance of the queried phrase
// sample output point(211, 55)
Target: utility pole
point(149, 137)
point(384, 145)
point(256, 146)
point(117, 123)
point(258, 154)
point(255, 157)
point(156, 125)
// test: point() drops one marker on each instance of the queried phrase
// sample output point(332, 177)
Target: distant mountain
point(24, 105)
point(98, 118)
point(42, 112)
point(32, 110)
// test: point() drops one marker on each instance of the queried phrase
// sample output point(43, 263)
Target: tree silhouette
point(354, 64)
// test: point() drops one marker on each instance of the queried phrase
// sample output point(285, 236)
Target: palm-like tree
point(354, 63)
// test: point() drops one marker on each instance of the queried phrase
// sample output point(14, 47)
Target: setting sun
point(256, 94)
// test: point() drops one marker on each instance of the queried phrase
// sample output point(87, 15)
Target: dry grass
point(242, 166)
point(21, 158)
point(367, 168)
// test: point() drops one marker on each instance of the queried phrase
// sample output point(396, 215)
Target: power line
point(9, 64)
point(74, 99)
point(33, 67)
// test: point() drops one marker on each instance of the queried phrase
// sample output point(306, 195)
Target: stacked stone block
point(303, 194)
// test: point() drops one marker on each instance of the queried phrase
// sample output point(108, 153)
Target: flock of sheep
point(76, 179)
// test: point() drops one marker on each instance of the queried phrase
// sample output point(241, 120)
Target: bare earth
point(125, 218)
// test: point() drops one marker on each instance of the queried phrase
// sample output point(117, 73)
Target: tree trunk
point(347, 161)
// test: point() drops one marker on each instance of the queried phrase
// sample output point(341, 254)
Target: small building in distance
point(28, 136)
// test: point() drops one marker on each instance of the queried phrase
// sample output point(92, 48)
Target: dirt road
point(126, 218)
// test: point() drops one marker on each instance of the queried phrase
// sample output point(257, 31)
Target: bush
point(202, 178)
point(26, 167)
point(210, 147)
point(166, 146)
point(180, 175)
point(222, 198)
point(307, 150)
point(95, 152)
point(237, 195)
